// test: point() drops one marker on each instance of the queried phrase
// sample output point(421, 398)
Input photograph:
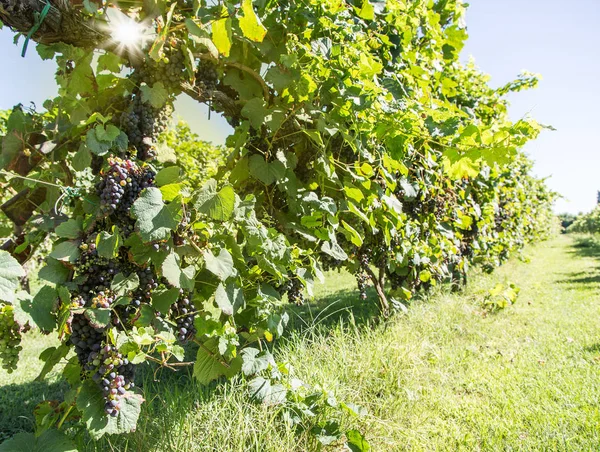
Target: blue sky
point(558, 39)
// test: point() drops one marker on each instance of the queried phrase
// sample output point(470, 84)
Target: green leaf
point(70, 229)
point(250, 23)
point(252, 363)
point(155, 220)
point(108, 244)
point(355, 237)
point(255, 111)
point(262, 390)
point(357, 442)
point(175, 275)
point(163, 299)
point(209, 365)
point(122, 285)
point(49, 441)
point(91, 404)
point(51, 357)
point(109, 62)
point(10, 274)
point(229, 298)
point(66, 251)
point(221, 265)
point(157, 96)
point(167, 175)
point(95, 146)
point(82, 159)
point(99, 318)
point(108, 134)
point(54, 272)
point(40, 308)
point(218, 205)
point(221, 35)
point(334, 249)
point(266, 172)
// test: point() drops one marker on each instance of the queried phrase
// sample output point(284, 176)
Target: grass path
point(444, 376)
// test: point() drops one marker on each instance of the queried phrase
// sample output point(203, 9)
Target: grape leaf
point(266, 172)
point(91, 404)
point(51, 357)
point(122, 285)
point(99, 318)
point(221, 265)
point(49, 441)
point(172, 271)
point(250, 23)
point(10, 273)
point(66, 251)
point(357, 442)
point(209, 365)
point(40, 307)
point(70, 229)
point(167, 175)
point(221, 35)
point(252, 363)
point(157, 96)
point(262, 390)
point(155, 219)
point(229, 299)
point(163, 299)
point(107, 244)
point(54, 271)
point(367, 11)
point(218, 205)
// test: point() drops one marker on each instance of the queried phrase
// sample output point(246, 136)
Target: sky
point(558, 39)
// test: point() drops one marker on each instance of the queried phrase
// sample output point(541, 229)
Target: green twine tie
point(39, 19)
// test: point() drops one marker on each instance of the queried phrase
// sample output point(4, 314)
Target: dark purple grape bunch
point(294, 290)
point(207, 75)
point(143, 125)
point(183, 312)
point(121, 186)
point(362, 281)
point(85, 337)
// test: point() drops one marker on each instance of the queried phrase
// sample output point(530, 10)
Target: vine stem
point(378, 282)
point(64, 418)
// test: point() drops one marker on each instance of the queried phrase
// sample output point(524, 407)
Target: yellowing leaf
point(367, 11)
point(221, 35)
point(250, 23)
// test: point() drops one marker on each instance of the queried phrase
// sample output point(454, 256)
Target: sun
point(128, 34)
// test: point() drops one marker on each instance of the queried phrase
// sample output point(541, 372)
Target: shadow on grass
point(584, 247)
point(17, 402)
point(172, 395)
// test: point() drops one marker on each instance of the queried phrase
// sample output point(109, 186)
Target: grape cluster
point(207, 75)
point(143, 125)
point(120, 186)
point(10, 338)
point(113, 373)
point(362, 280)
point(183, 313)
point(85, 337)
point(294, 289)
point(169, 70)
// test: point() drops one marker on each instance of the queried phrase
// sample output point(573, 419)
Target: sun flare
point(128, 34)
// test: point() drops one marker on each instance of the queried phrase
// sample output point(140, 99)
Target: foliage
point(588, 223)
point(566, 220)
point(359, 142)
point(199, 159)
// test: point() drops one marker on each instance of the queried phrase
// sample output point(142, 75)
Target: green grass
point(447, 375)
